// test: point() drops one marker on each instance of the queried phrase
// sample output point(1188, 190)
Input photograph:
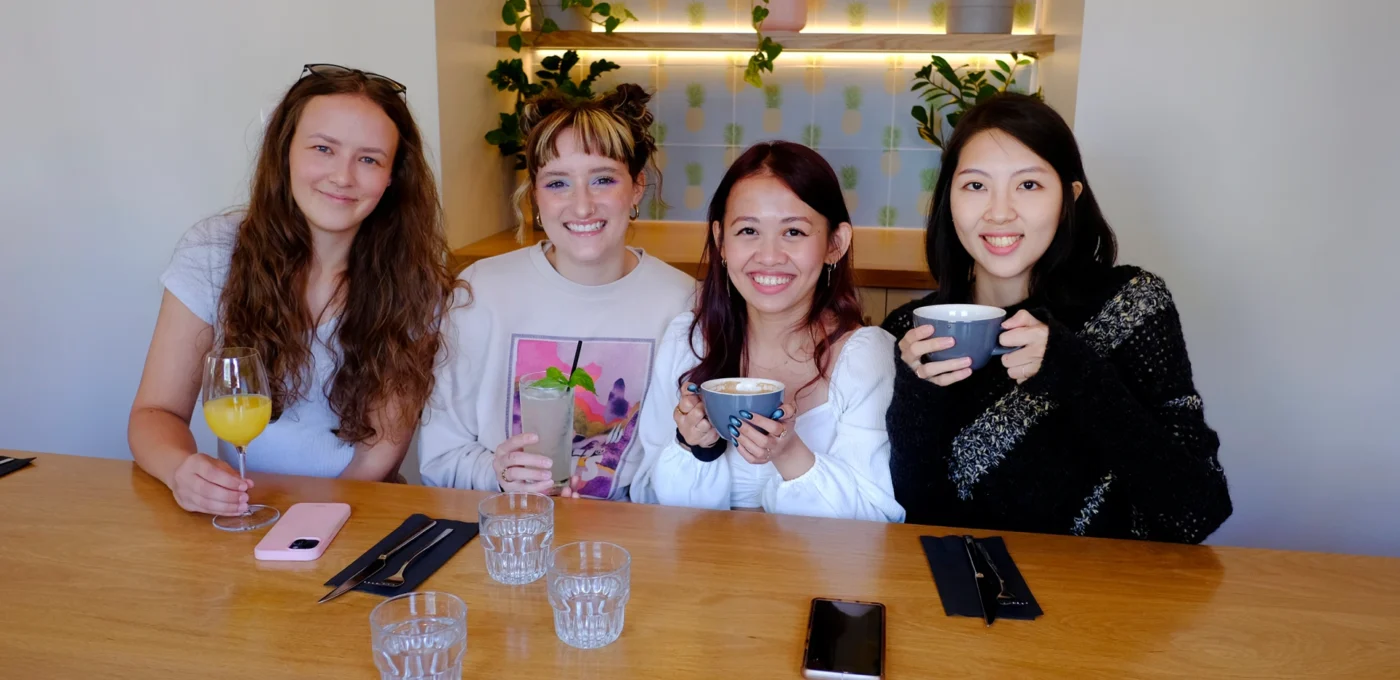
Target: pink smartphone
point(303, 532)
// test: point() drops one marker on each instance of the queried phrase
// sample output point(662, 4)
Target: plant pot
point(572, 19)
point(785, 16)
point(981, 16)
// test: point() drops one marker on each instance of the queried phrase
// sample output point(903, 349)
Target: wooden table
point(101, 575)
point(885, 257)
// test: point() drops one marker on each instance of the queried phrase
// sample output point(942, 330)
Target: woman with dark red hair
point(778, 302)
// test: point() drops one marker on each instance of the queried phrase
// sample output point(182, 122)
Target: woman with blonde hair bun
point(581, 298)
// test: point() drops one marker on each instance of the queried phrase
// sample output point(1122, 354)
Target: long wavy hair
point(721, 314)
point(1083, 245)
point(615, 125)
point(396, 288)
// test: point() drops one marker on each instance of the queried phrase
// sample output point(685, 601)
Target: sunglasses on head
point(332, 70)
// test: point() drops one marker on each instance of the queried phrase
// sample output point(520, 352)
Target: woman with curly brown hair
point(335, 273)
point(582, 298)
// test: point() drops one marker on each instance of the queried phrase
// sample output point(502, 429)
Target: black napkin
point(957, 584)
point(11, 466)
point(430, 562)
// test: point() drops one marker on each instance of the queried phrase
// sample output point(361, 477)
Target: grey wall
point(1248, 152)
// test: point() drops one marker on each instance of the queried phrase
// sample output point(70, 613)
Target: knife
point(375, 566)
point(986, 590)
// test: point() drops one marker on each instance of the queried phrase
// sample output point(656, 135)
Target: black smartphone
point(845, 640)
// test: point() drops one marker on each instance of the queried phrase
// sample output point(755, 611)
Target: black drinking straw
point(577, 351)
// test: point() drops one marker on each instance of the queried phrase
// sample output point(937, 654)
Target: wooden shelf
point(885, 257)
point(792, 42)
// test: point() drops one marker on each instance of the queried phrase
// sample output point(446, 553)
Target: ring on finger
point(503, 476)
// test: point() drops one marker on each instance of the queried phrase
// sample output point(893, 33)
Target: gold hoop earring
point(636, 212)
point(538, 224)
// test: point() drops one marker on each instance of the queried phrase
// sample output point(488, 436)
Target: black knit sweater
point(1108, 439)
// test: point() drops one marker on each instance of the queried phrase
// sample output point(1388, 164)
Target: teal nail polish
point(734, 422)
point(777, 414)
point(733, 431)
point(745, 415)
point(692, 388)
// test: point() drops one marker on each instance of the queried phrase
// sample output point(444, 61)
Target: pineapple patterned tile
point(695, 107)
point(1023, 17)
point(856, 13)
point(694, 186)
point(850, 185)
point(695, 14)
point(777, 111)
point(928, 179)
point(889, 160)
point(733, 142)
point(853, 96)
point(863, 187)
point(911, 189)
point(658, 135)
point(936, 18)
point(772, 108)
point(812, 136)
point(888, 216)
point(656, 209)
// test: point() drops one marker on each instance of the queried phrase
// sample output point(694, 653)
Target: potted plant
point(950, 94)
point(554, 74)
point(555, 71)
point(767, 50)
point(576, 15)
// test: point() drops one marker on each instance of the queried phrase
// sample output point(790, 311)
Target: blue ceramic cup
point(973, 328)
point(725, 397)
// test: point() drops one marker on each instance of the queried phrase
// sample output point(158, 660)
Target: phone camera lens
point(304, 544)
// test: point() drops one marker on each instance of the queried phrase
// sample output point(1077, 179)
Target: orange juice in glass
point(237, 408)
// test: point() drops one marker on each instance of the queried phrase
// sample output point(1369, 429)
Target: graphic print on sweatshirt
point(605, 424)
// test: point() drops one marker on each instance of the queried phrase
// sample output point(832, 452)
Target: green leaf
point(519, 4)
point(582, 379)
point(602, 8)
point(611, 24)
point(953, 118)
point(554, 373)
point(1024, 62)
point(549, 26)
point(516, 42)
point(569, 61)
point(759, 14)
point(1004, 66)
point(509, 14)
point(628, 13)
point(920, 114)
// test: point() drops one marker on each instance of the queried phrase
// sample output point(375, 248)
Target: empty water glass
point(419, 636)
point(589, 583)
point(517, 531)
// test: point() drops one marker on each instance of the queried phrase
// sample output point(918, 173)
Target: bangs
point(599, 133)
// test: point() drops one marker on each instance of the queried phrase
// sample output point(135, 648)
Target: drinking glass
point(517, 530)
point(589, 584)
point(548, 413)
point(419, 636)
point(237, 407)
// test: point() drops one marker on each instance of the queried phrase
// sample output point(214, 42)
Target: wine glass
point(238, 406)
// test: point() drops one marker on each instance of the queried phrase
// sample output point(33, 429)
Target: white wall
point(121, 124)
point(1248, 152)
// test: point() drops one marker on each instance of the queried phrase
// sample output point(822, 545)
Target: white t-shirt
point(526, 317)
point(301, 441)
point(851, 476)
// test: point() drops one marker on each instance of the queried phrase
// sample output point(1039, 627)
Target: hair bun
point(539, 107)
point(629, 101)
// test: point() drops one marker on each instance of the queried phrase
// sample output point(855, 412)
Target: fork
point(397, 579)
